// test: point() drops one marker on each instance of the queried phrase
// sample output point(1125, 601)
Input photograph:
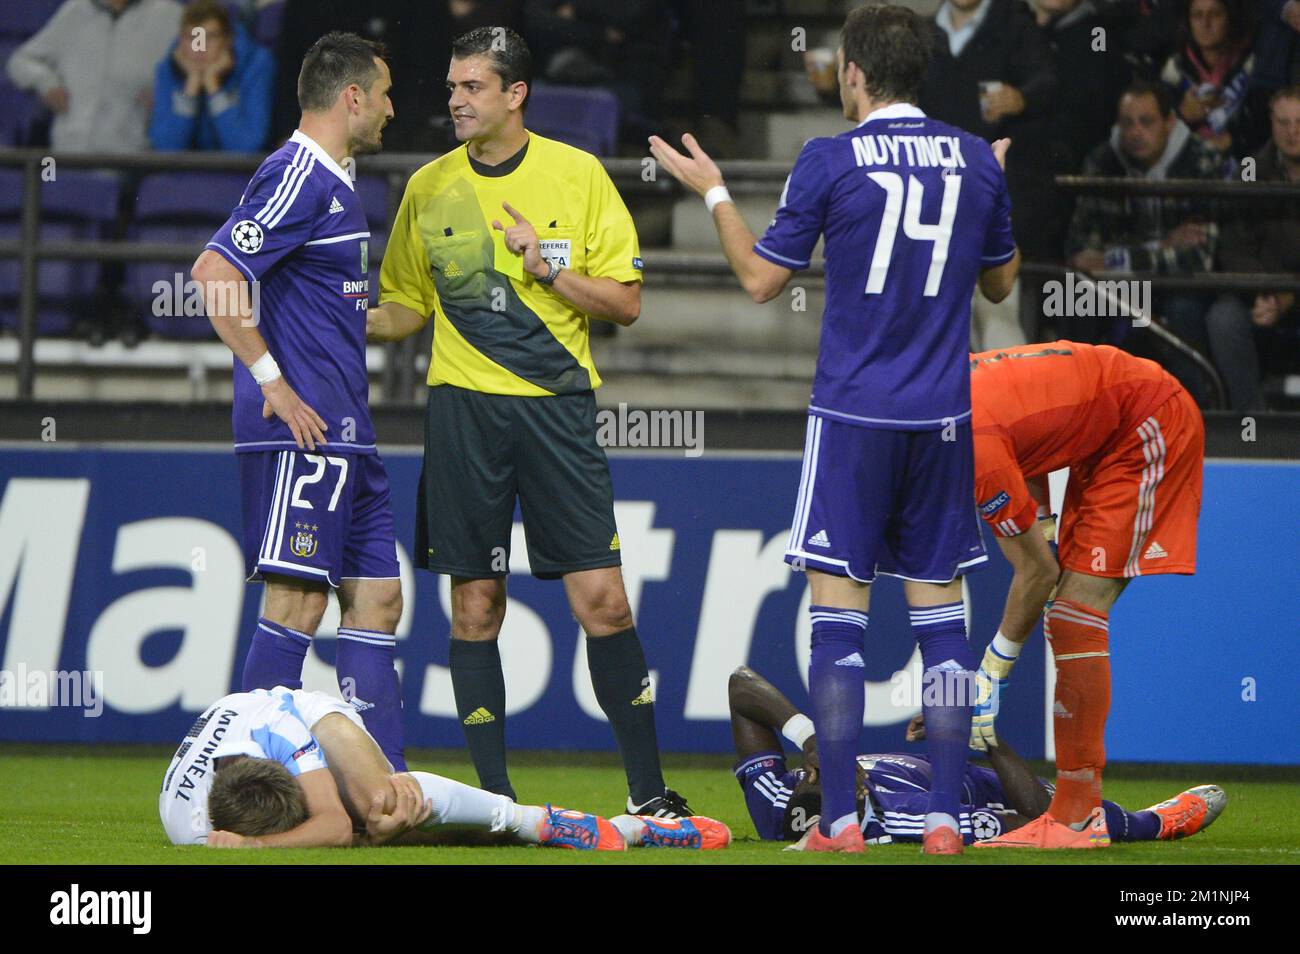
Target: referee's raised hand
point(697, 171)
point(521, 239)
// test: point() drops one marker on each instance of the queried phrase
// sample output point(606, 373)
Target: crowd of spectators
point(1150, 89)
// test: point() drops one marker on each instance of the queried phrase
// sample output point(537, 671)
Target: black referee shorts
point(481, 451)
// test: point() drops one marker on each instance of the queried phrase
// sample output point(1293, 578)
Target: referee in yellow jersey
point(512, 244)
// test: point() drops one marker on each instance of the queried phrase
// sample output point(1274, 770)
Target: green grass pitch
point(68, 805)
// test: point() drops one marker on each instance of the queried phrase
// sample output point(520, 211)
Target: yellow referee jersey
point(493, 332)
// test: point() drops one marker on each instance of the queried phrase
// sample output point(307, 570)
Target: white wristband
point(715, 195)
point(264, 370)
point(798, 729)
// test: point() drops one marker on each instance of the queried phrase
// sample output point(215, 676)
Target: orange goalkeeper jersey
point(1040, 407)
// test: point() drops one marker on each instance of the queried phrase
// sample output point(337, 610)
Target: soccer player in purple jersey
point(893, 787)
point(914, 212)
point(286, 288)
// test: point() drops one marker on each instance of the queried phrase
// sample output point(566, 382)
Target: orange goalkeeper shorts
point(1132, 510)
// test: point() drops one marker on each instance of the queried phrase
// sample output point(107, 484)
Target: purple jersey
point(300, 233)
point(912, 209)
point(898, 786)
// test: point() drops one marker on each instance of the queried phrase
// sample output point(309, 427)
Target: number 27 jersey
point(911, 209)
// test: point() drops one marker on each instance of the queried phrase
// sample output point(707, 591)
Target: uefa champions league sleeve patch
point(247, 236)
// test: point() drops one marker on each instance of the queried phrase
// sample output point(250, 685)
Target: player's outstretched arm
point(759, 711)
point(763, 280)
point(327, 824)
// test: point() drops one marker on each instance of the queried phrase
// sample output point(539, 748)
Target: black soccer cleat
point(667, 805)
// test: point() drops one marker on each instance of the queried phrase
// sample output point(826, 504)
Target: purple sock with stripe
point(836, 677)
point(947, 691)
point(275, 658)
point(368, 680)
point(1125, 825)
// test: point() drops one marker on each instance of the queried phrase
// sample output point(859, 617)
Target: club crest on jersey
point(303, 544)
point(998, 502)
point(247, 236)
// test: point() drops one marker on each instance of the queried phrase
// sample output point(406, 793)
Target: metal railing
point(748, 176)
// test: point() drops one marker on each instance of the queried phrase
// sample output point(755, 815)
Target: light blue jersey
point(265, 724)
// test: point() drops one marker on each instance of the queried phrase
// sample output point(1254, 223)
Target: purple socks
point(275, 658)
point(369, 681)
point(836, 678)
point(947, 692)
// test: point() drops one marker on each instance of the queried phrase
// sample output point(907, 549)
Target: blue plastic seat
point(577, 115)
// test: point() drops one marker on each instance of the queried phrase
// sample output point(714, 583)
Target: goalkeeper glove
point(990, 681)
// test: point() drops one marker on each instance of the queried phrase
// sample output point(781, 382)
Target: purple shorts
point(901, 503)
point(319, 517)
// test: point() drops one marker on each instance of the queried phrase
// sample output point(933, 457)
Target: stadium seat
point(267, 22)
point(582, 117)
point(373, 192)
point(75, 206)
point(18, 109)
point(20, 20)
point(180, 208)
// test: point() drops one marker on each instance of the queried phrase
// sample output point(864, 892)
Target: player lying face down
point(893, 787)
point(290, 768)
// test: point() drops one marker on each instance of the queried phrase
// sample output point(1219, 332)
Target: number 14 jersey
point(911, 209)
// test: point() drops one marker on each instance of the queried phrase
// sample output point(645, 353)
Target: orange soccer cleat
point(579, 831)
point(697, 831)
point(847, 842)
point(942, 841)
point(1190, 811)
point(1045, 832)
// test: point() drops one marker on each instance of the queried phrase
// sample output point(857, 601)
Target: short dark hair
point(509, 53)
point(892, 46)
point(1240, 22)
point(1164, 102)
point(201, 11)
point(335, 62)
point(255, 797)
point(1286, 92)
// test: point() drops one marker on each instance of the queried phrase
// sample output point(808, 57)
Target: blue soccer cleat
point(695, 831)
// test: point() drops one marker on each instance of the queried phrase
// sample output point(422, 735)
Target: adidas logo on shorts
point(1154, 552)
point(480, 716)
point(819, 539)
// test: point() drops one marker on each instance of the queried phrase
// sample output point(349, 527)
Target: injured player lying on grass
point(893, 787)
point(297, 769)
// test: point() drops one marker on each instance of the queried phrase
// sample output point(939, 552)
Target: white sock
point(630, 827)
point(935, 820)
point(843, 822)
point(455, 803)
